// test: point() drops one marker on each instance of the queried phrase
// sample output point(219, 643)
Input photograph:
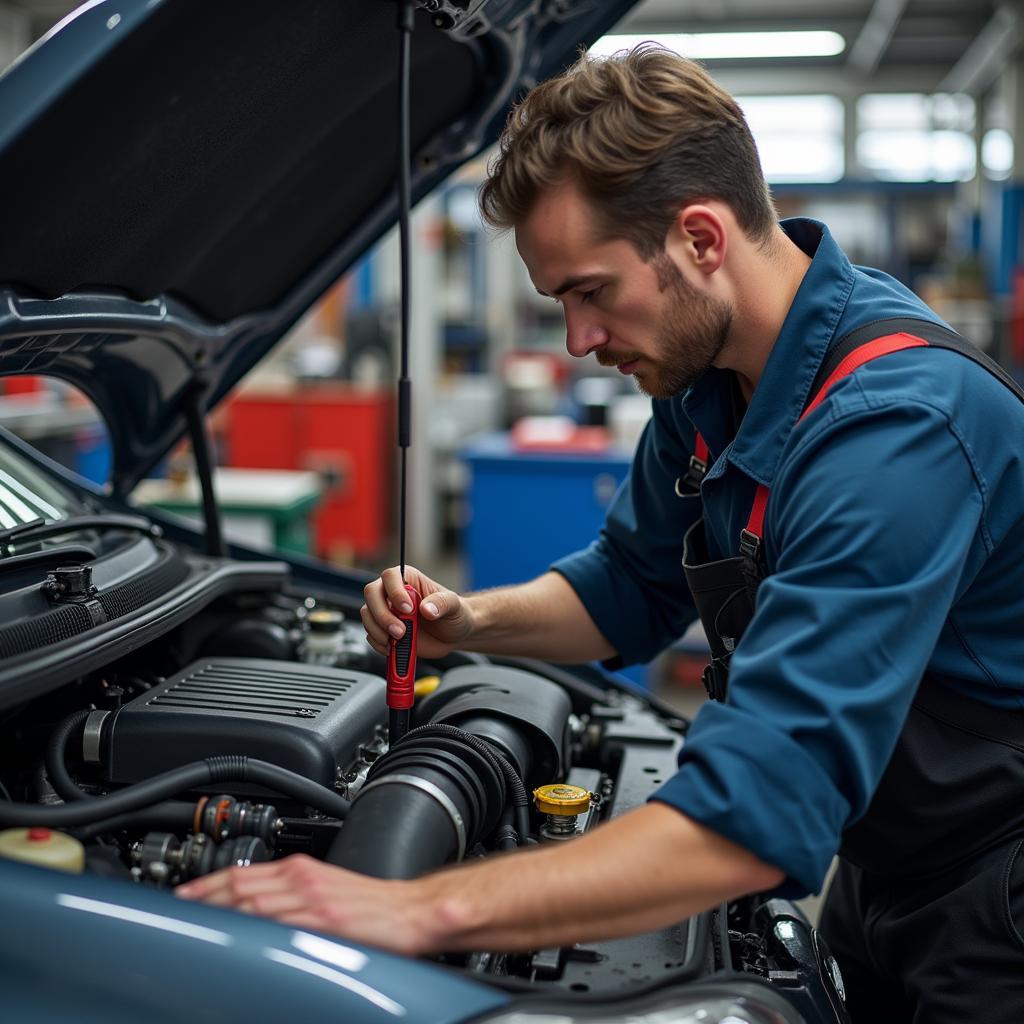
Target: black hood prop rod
point(192, 406)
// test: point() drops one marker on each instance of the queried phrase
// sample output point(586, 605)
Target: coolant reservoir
point(561, 804)
point(325, 640)
point(43, 846)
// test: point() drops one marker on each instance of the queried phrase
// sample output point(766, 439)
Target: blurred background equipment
point(895, 122)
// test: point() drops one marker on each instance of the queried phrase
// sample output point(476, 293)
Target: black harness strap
point(935, 334)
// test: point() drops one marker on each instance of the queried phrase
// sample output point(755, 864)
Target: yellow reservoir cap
point(425, 685)
point(562, 799)
point(45, 847)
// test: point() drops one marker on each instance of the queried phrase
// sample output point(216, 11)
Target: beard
point(691, 336)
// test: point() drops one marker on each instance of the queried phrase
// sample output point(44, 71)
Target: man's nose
point(582, 335)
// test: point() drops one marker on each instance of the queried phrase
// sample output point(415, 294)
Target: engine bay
point(277, 696)
point(231, 712)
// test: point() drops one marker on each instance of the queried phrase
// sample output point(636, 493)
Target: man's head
point(599, 171)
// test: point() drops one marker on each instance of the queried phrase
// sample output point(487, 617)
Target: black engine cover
point(307, 718)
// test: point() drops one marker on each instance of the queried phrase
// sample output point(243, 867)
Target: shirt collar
point(801, 346)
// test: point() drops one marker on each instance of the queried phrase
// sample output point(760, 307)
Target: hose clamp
point(431, 790)
point(92, 734)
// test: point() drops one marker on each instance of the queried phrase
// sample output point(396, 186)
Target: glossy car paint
point(83, 948)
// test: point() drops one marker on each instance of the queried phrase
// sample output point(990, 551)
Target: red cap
point(38, 835)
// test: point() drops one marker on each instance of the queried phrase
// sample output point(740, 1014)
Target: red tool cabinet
point(347, 436)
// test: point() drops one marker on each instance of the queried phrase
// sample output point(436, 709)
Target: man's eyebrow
point(568, 284)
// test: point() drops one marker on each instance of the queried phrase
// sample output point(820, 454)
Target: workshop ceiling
point(891, 45)
point(901, 45)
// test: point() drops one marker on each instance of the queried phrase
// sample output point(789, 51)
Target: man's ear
point(698, 238)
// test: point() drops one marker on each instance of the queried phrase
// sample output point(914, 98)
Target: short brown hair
point(643, 133)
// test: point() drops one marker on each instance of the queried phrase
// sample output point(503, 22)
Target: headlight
point(722, 1002)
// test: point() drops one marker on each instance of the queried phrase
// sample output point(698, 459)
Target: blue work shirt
point(894, 540)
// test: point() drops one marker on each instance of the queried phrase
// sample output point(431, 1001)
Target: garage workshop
point(512, 511)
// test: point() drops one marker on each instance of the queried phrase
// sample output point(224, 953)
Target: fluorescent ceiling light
point(731, 45)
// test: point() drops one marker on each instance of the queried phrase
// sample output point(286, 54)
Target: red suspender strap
point(700, 449)
point(755, 524)
point(862, 355)
point(858, 357)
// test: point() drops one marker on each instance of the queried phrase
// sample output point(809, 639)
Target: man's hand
point(540, 619)
point(305, 893)
point(644, 870)
point(445, 619)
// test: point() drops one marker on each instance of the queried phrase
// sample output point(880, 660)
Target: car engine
point(232, 712)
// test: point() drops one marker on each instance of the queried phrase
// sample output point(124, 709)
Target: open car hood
point(182, 180)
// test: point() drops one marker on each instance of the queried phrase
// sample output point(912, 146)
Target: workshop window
point(799, 138)
point(997, 153)
point(916, 137)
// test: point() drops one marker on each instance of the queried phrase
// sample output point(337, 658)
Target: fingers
point(228, 887)
point(448, 615)
point(307, 893)
point(286, 885)
point(394, 590)
point(436, 604)
point(375, 633)
point(386, 599)
point(379, 620)
point(275, 904)
point(442, 611)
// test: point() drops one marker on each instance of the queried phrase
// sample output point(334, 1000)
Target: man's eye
point(586, 297)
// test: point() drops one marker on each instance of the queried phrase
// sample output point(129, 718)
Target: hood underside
point(183, 179)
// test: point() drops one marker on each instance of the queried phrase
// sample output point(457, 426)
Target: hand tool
point(401, 673)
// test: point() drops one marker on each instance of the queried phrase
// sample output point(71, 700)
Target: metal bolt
point(159, 871)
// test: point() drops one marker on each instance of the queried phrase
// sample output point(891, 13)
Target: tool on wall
point(401, 673)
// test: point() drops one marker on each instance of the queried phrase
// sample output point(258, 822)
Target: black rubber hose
point(425, 802)
point(211, 771)
point(520, 801)
point(505, 837)
point(522, 813)
point(56, 757)
point(395, 831)
point(171, 814)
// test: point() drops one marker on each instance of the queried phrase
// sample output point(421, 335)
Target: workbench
point(262, 508)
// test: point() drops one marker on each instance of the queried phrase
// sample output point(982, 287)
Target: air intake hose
point(427, 801)
point(445, 786)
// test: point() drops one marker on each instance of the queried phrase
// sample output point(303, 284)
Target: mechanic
point(874, 704)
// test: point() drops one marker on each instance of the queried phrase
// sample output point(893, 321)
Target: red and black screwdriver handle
point(401, 676)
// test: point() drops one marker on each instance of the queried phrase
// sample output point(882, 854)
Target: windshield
point(25, 494)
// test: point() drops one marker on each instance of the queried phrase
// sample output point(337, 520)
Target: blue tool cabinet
point(527, 509)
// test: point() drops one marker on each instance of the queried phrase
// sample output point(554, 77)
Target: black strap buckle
point(750, 545)
point(691, 479)
point(715, 678)
point(752, 566)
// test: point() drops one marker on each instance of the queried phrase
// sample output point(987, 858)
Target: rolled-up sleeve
point(630, 579)
point(871, 519)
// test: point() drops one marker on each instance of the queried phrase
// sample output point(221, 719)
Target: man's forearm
point(646, 870)
point(541, 619)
